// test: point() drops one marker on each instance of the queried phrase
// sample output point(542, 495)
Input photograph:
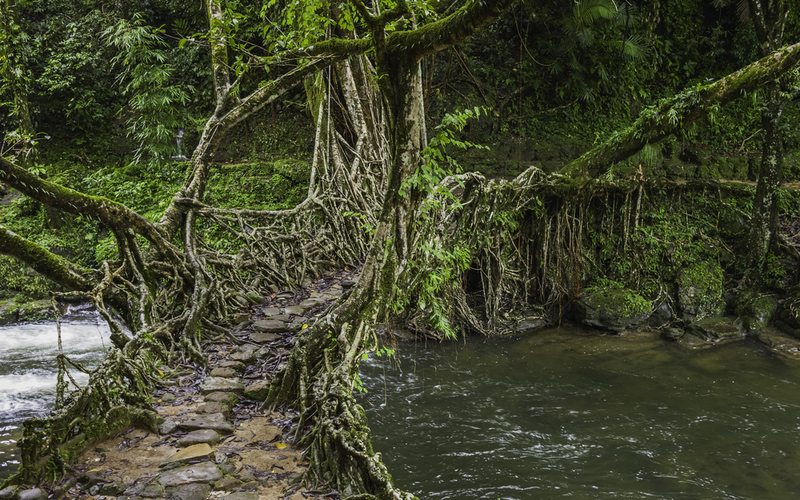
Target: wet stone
point(269, 325)
point(198, 491)
point(261, 337)
point(152, 490)
point(32, 494)
point(297, 310)
point(242, 495)
point(223, 372)
point(234, 365)
point(110, 489)
point(257, 390)
point(223, 397)
point(209, 436)
point(215, 407)
point(312, 303)
point(219, 384)
point(271, 311)
point(194, 452)
point(227, 484)
point(213, 421)
point(198, 473)
point(245, 354)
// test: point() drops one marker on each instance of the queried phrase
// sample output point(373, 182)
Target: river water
point(566, 414)
point(28, 371)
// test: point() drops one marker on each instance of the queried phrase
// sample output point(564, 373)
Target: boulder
point(615, 309)
point(195, 491)
point(756, 310)
point(718, 329)
point(257, 390)
point(700, 290)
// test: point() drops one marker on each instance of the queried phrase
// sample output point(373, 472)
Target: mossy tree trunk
point(769, 18)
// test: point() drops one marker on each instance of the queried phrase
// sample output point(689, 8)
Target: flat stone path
point(214, 440)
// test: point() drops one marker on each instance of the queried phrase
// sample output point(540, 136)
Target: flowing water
point(28, 371)
point(566, 414)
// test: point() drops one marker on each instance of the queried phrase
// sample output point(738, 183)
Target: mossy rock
point(718, 329)
point(756, 310)
point(615, 309)
point(700, 290)
point(12, 311)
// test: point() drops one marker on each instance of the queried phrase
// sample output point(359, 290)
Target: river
point(28, 371)
point(567, 414)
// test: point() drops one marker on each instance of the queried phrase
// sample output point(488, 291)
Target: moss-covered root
point(339, 449)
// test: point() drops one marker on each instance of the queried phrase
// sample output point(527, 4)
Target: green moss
point(700, 290)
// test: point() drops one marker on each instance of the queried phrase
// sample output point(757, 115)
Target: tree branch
point(670, 115)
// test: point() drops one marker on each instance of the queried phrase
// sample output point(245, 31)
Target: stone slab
point(196, 491)
point(223, 397)
point(198, 473)
point(271, 311)
point(209, 436)
point(193, 452)
point(311, 303)
point(32, 494)
point(245, 353)
point(223, 372)
point(257, 390)
point(261, 337)
point(298, 310)
point(214, 421)
point(219, 384)
point(269, 325)
point(241, 495)
point(234, 365)
point(216, 407)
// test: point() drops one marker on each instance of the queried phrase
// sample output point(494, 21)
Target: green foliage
point(157, 103)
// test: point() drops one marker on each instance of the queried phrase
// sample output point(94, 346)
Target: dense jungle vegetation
point(485, 163)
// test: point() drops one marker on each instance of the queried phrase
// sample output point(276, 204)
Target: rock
point(245, 353)
point(756, 310)
point(530, 325)
point(297, 310)
point(152, 490)
point(196, 491)
point(217, 384)
point(227, 468)
point(269, 325)
point(216, 407)
point(347, 284)
point(271, 311)
point(700, 290)
point(257, 390)
point(779, 341)
point(227, 484)
point(661, 316)
point(717, 329)
point(111, 489)
point(209, 436)
point(197, 473)
point(9, 493)
point(242, 301)
point(242, 495)
point(312, 303)
point(223, 372)
point(297, 323)
point(223, 397)
point(616, 309)
point(168, 398)
point(193, 452)
point(673, 333)
point(238, 366)
point(256, 298)
point(285, 295)
point(32, 494)
point(214, 421)
point(261, 337)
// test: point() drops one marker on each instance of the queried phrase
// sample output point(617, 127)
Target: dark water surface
point(562, 414)
point(28, 371)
